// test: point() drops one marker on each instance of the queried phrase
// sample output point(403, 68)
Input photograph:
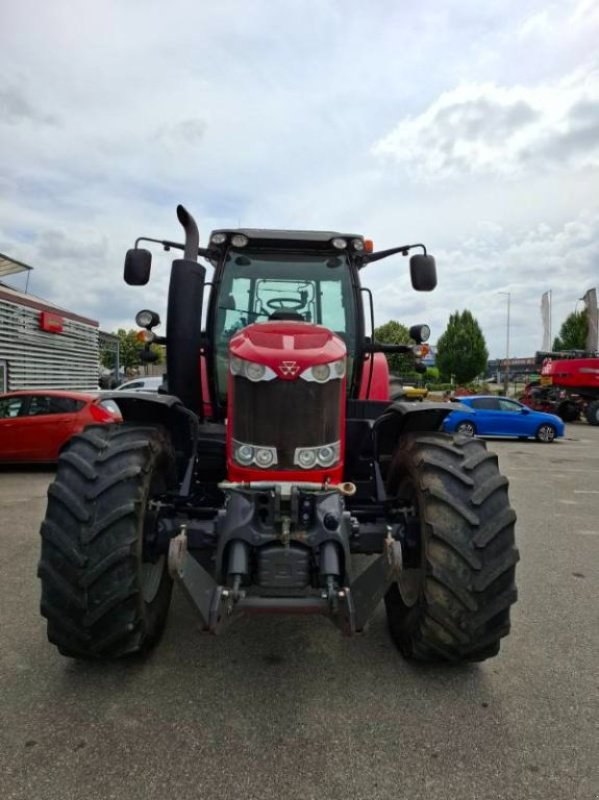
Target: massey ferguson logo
point(289, 368)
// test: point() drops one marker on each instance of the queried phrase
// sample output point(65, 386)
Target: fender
point(402, 417)
point(166, 410)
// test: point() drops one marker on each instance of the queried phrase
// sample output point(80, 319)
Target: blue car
point(500, 416)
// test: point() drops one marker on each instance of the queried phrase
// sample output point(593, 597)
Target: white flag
point(546, 317)
point(590, 299)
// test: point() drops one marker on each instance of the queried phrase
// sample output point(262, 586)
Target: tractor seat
point(287, 315)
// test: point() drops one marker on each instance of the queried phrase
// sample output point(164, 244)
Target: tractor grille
point(286, 415)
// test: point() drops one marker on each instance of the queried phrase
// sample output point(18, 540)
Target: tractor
point(270, 460)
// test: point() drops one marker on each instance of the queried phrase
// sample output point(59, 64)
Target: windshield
point(308, 287)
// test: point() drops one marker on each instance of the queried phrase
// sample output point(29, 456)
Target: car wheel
point(546, 433)
point(466, 429)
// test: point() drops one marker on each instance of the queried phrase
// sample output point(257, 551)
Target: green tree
point(129, 351)
point(573, 333)
point(462, 350)
point(395, 333)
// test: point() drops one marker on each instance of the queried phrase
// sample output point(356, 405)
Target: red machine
point(569, 386)
point(255, 479)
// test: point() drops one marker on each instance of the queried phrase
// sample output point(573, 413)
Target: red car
point(36, 424)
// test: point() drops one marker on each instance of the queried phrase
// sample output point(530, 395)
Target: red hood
point(287, 347)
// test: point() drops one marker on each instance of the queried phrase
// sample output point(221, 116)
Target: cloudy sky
point(471, 126)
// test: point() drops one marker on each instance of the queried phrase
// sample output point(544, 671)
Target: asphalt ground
point(287, 708)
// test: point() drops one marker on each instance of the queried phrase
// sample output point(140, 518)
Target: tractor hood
point(287, 347)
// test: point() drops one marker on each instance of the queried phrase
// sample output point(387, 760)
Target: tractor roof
point(265, 235)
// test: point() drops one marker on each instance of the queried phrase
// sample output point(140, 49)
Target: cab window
point(261, 287)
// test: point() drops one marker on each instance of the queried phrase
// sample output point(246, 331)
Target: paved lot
point(286, 708)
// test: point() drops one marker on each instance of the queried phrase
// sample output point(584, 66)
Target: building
point(41, 344)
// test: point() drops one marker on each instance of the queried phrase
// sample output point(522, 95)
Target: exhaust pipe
point(184, 320)
point(192, 234)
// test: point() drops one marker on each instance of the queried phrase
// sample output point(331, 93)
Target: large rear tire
point(592, 413)
point(102, 596)
point(452, 602)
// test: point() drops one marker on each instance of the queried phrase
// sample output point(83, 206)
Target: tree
point(573, 333)
point(395, 333)
point(129, 351)
point(462, 350)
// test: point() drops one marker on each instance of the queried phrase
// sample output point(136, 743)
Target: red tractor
point(271, 456)
point(568, 387)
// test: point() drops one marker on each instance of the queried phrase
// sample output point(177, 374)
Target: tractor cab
point(284, 277)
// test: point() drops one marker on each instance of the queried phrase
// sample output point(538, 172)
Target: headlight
point(321, 373)
point(339, 243)
point(244, 453)
point(248, 454)
point(147, 318)
point(218, 238)
point(324, 456)
point(239, 240)
point(305, 457)
point(265, 456)
point(250, 370)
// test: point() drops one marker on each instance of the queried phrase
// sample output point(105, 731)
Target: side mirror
point(525, 411)
point(138, 263)
point(423, 272)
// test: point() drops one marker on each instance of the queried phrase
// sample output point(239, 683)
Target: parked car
point(501, 416)
point(150, 384)
point(35, 425)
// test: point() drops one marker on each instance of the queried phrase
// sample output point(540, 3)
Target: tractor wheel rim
point(151, 577)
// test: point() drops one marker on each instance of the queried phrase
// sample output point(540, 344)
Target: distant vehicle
point(401, 391)
point(568, 385)
point(150, 384)
point(501, 416)
point(35, 425)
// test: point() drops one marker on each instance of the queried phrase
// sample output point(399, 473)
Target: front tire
point(102, 596)
point(452, 602)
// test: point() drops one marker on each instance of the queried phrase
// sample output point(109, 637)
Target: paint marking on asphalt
point(568, 502)
point(548, 471)
point(588, 533)
point(586, 491)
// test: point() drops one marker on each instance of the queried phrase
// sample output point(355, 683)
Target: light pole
point(507, 344)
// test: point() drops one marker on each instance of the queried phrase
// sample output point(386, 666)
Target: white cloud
point(524, 262)
point(502, 130)
point(115, 112)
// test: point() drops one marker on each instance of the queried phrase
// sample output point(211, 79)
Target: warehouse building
point(41, 344)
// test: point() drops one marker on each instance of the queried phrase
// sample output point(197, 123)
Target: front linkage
point(299, 538)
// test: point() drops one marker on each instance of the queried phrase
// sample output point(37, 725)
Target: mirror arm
point(205, 252)
point(368, 258)
point(384, 347)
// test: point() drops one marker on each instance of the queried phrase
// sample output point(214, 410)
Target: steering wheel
point(285, 303)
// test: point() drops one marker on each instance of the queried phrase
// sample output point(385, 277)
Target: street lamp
point(507, 344)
